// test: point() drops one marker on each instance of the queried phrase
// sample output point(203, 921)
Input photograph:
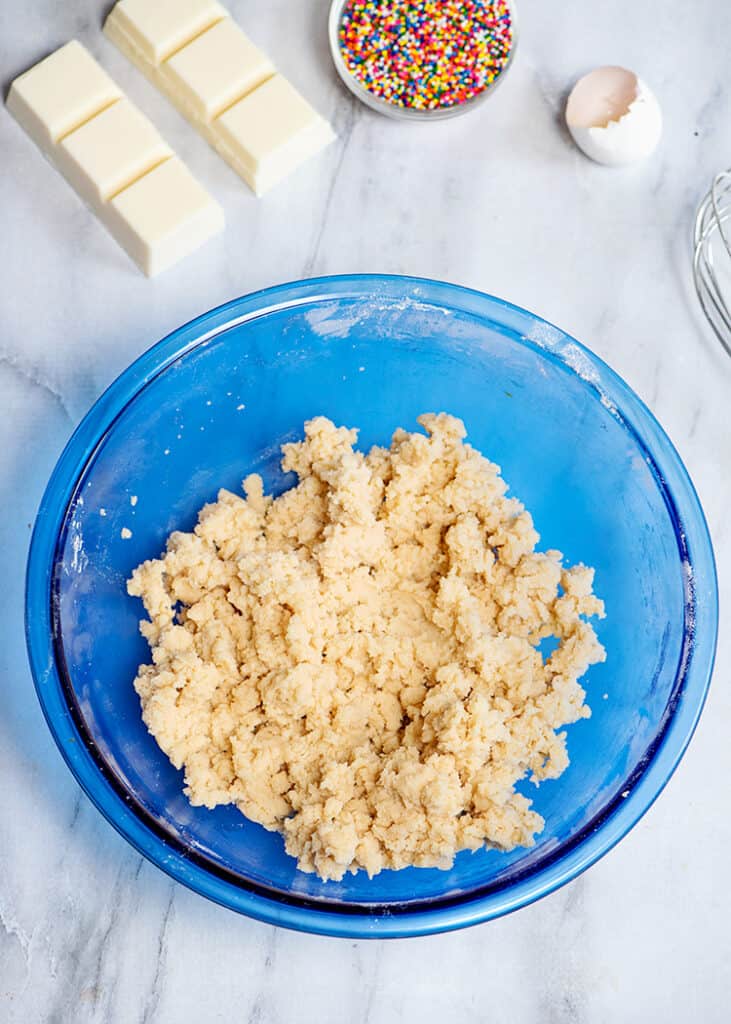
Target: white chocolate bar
point(114, 158)
point(226, 87)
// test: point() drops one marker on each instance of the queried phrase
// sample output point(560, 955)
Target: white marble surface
point(498, 200)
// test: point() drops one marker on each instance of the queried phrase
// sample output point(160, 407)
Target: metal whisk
point(712, 257)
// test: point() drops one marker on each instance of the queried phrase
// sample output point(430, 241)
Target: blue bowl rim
point(367, 920)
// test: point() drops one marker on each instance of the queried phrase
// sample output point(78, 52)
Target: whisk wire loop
point(711, 240)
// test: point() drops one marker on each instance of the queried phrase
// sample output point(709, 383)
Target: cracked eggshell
point(613, 117)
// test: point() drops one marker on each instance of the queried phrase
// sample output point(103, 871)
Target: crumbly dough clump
point(356, 664)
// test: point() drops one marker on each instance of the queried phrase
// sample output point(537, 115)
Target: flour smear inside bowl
point(357, 664)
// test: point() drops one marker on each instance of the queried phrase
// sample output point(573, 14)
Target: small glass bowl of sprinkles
point(422, 59)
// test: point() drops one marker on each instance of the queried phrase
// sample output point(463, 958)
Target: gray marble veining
point(500, 200)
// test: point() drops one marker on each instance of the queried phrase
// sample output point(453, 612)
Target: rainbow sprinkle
point(426, 54)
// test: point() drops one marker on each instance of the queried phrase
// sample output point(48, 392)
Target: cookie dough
point(357, 664)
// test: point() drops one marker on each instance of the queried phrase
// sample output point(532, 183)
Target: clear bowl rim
point(405, 113)
point(356, 920)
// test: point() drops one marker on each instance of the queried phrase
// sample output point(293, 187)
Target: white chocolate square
point(270, 132)
point(163, 216)
point(215, 70)
point(109, 152)
point(158, 28)
point(60, 93)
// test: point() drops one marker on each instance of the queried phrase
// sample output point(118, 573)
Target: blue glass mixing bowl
point(213, 402)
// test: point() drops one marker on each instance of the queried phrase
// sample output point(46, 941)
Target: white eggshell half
point(631, 137)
